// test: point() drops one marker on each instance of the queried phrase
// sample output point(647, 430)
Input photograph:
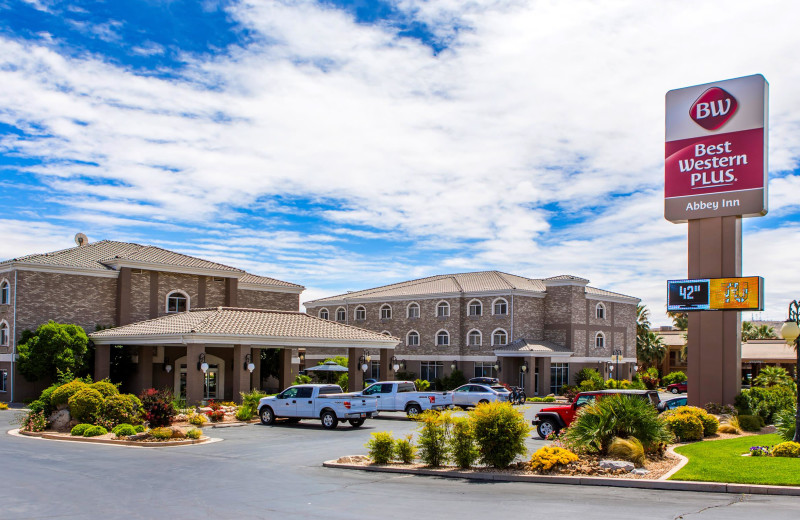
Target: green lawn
point(722, 461)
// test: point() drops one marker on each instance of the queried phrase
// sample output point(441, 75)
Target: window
point(412, 339)
point(304, 392)
point(323, 314)
point(413, 310)
point(500, 307)
point(443, 309)
point(361, 313)
point(3, 380)
point(5, 293)
point(3, 334)
point(559, 376)
point(475, 308)
point(600, 340)
point(474, 338)
point(431, 370)
point(386, 333)
point(177, 302)
point(600, 311)
point(442, 338)
point(499, 337)
point(375, 373)
point(386, 312)
point(341, 314)
point(484, 369)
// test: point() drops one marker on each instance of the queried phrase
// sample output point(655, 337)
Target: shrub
point(32, 421)
point(786, 449)
point(123, 430)
point(772, 376)
point(728, 428)
point(462, 443)
point(251, 399)
point(194, 433)
point(588, 374)
point(422, 385)
point(454, 380)
point(500, 432)
point(3, 406)
point(765, 402)
point(197, 419)
point(570, 392)
point(549, 457)
point(301, 379)
point(673, 377)
point(79, 429)
point(139, 428)
point(157, 407)
point(105, 387)
point(751, 423)
point(785, 422)
point(84, 405)
point(43, 403)
point(60, 396)
point(405, 450)
point(685, 426)
point(710, 423)
point(627, 449)
point(94, 431)
point(434, 437)
point(121, 409)
point(759, 451)
point(381, 447)
point(622, 416)
point(244, 413)
point(719, 409)
point(161, 433)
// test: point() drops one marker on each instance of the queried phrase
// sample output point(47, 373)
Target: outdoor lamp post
point(167, 366)
point(395, 364)
point(248, 363)
point(497, 367)
point(201, 362)
point(362, 361)
point(453, 365)
point(524, 367)
point(791, 333)
point(617, 355)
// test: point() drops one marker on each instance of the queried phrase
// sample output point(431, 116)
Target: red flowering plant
point(216, 414)
point(157, 407)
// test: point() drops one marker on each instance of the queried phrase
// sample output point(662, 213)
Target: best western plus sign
point(715, 155)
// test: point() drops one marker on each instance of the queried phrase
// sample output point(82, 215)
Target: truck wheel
point(266, 415)
point(413, 410)
point(355, 423)
point(546, 427)
point(329, 420)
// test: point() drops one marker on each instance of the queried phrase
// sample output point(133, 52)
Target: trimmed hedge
point(685, 426)
point(105, 387)
point(123, 430)
point(84, 405)
point(79, 429)
point(61, 395)
point(94, 431)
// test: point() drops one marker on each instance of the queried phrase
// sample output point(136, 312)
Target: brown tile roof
point(525, 345)
point(265, 280)
point(568, 277)
point(157, 255)
point(232, 321)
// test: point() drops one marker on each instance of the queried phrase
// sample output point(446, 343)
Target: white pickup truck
point(324, 402)
point(402, 396)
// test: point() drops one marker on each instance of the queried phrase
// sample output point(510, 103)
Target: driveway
point(275, 472)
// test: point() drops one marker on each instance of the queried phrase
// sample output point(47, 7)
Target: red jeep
point(552, 419)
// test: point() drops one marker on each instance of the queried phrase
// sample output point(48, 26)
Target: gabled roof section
point(255, 279)
point(88, 256)
point(525, 346)
point(158, 256)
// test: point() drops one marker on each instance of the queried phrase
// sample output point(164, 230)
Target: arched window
point(475, 308)
point(361, 313)
point(442, 338)
point(600, 340)
point(499, 337)
point(323, 313)
point(5, 293)
point(386, 333)
point(443, 309)
point(413, 310)
point(177, 301)
point(600, 311)
point(386, 311)
point(3, 333)
point(412, 339)
point(341, 314)
point(474, 338)
point(500, 307)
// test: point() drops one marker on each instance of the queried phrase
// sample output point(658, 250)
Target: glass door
point(210, 383)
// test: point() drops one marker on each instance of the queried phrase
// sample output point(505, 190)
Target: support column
point(195, 378)
point(507, 373)
point(529, 376)
point(544, 377)
point(714, 338)
point(241, 376)
point(355, 377)
point(285, 368)
point(386, 373)
point(154, 300)
point(255, 380)
point(102, 362)
point(144, 375)
point(231, 292)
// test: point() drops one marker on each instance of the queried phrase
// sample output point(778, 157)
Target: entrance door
point(522, 380)
point(536, 382)
point(211, 383)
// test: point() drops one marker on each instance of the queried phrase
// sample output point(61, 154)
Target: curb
point(669, 485)
point(113, 442)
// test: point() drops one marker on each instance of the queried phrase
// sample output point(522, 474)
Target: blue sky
point(348, 144)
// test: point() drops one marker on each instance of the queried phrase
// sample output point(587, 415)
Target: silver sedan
point(473, 394)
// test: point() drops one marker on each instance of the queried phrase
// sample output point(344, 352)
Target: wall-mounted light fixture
point(524, 367)
point(201, 362)
point(395, 364)
point(454, 365)
point(362, 361)
point(167, 367)
point(497, 366)
point(248, 363)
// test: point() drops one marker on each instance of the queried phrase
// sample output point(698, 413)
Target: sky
point(348, 144)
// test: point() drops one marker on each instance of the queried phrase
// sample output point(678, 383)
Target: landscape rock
point(60, 420)
point(615, 465)
point(640, 471)
point(353, 459)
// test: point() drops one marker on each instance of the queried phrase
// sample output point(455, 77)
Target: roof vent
point(81, 239)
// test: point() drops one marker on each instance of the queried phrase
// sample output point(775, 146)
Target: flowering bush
point(34, 422)
point(157, 407)
point(197, 419)
point(405, 450)
point(194, 433)
point(786, 449)
point(759, 451)
point(216, 414)
point(549, 457)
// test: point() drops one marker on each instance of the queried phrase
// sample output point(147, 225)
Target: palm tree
point(748, 330)
point(772, 376)
point(765, 332)
point(642, 323)
point(651, 350)
point(679, 319)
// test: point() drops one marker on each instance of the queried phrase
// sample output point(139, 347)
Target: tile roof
point(754, 350)
point(481, 281)
point(232, 321)
point(103, 254)
point(525, 345)
point(568, 277)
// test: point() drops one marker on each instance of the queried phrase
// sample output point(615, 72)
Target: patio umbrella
point(328, 367)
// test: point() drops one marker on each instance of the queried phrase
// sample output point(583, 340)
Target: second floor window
point(413, 310)
point(443, 309)
point(386, 312)
point(442, 338)
point(341, 314)
point(5, 293)
point(500, 306)
point(4, 334)
point(361, 313)
point(474, 338)
point(177, 302)
point(412, 340)
point(323, 314)
point(475, 308)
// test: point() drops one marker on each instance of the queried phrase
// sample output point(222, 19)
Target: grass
point(722, 461)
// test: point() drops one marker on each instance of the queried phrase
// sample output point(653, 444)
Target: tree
point(53, 348)
point(750, 331)
point(772, 376)
point(679, 319)
point(651, 350)
point(642, 321)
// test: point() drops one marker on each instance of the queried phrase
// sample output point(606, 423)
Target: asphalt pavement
point(275, 472)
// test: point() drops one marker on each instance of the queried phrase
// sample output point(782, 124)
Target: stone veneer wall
point(268, 300)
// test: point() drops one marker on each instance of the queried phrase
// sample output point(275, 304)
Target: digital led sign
point(716, 294)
